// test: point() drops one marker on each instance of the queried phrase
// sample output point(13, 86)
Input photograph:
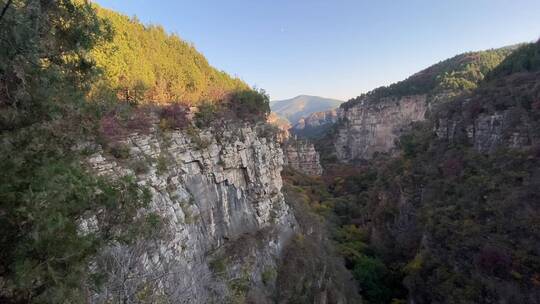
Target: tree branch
point(4, 10)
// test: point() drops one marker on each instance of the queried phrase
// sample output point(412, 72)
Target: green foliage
point(168, 69)
point(218, 266)
point(268, 276)
point(44, 61)
point(461, 73)
point(524, 59)
point(370, 273)
point(311, 252)
point(44, 198)
point(477, 211)
point(196, 139)
point(139, 166)
point(452, 224)
point(162, 164)
point(250, 104)
point(55, 215)
point(206, 114)
point(119, 150)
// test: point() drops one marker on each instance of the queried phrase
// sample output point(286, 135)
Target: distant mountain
point(302, 106)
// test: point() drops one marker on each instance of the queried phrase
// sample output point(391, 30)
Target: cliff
point(315, 125)
point(317, 119)
point(488, 132)
point(373, 121)
point(225, 221)
point(502, 113)
point(302, 156)
point(371, 127)
point(281, 124)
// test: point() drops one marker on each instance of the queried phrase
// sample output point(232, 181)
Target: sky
point(335, 48)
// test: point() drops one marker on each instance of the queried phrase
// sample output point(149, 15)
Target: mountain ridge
point(301, 106)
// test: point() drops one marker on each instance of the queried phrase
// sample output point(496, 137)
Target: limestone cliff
point(502, 113)
point(372, 122)
point(281, 124)
point(302, 156)
point(315, 125)
point(218, 193)
point(317, 119)
point(487, 132)
point(373, 125)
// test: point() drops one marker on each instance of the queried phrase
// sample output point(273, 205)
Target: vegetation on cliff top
point(460, 73)
point(144, 63)
point(68, 75)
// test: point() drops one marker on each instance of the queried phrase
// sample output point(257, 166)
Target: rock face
point(370, 127)
point(282, 124)
point(317, 119)
point(302, 156)
point(225, 218)
point(487, 132)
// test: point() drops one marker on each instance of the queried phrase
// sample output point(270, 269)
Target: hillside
point(452, 76)
point(372, 122)
point(302, 106)
point(134, 172)
point(167, 68)
point(451, 216)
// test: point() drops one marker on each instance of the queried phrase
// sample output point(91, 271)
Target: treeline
point(143, 63)
point(452, 76)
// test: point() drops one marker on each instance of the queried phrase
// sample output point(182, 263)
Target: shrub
point(200, 143)
point(218, 266)
point(268, 131)
point(125, 119)
point(174, 117)
point(110, 127)
point(268, 276)
point(206, 114)
point(250, 105)
point(119, 150)
point(162, 164)
point(139, 120)
point(139, 166)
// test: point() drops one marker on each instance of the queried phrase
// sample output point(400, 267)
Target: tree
point(46, 194)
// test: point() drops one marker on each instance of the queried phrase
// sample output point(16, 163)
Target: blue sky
point(336, 48)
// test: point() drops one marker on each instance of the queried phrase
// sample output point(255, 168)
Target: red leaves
point(120, 122)
point(174, 116)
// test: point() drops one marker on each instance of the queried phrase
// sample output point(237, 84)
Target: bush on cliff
point(48, 199)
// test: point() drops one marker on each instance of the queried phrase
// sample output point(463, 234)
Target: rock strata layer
point(226, 221)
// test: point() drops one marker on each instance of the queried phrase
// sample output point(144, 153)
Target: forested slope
point(454, 217)
point(451, 76)
point(145, 63)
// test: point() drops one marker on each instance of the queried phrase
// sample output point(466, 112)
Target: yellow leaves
point(170, 68)
point(416, 264)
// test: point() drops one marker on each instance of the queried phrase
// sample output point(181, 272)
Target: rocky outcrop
point(317, 119)
point(373, 126)
point(281, 124)
point(302, 156)
point(225, 221)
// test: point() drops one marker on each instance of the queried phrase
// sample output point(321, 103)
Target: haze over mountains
point(302, 106)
